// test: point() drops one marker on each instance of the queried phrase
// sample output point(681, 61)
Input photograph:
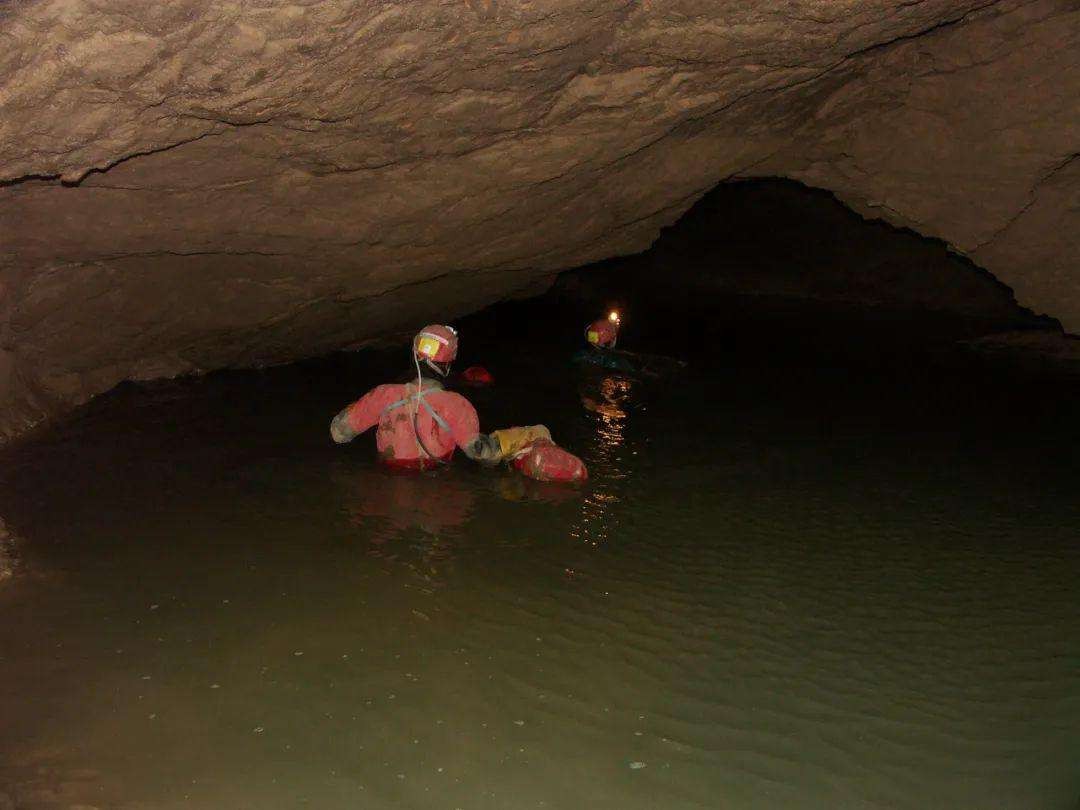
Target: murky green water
point(793, 581)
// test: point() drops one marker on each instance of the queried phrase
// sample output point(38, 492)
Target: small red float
point(477, 375)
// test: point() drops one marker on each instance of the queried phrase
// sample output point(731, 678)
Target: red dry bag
point(546, 461)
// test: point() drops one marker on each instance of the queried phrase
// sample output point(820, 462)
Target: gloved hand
point(513, 440)
point(340, 429)
point(484, 449)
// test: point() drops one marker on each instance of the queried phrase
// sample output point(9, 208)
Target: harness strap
point(419, 397)
point(438, 419)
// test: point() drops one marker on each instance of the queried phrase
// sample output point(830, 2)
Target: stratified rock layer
point(201, 184)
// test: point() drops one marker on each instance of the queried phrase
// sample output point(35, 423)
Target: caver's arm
point(503, 445)
point(362, 414)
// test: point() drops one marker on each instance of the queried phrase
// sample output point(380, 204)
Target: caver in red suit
point(419, 423)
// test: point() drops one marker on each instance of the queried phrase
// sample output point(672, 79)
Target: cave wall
point(970, 135)
point(204, 184)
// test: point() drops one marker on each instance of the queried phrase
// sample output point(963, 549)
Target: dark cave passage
point(779, 239)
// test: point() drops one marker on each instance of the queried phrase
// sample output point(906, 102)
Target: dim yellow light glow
point(613, 317)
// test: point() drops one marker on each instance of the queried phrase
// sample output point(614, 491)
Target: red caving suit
point(445, 420)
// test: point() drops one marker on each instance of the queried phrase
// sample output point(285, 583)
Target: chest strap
point(419, 397)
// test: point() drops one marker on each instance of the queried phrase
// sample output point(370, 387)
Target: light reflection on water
point(385, 506)
point(606, 399)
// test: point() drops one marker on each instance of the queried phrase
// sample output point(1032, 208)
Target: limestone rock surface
point(202, 184)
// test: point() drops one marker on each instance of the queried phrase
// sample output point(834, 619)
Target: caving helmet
point(604, 332)
point(436, 346)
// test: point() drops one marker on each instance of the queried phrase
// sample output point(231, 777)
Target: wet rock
point(190, 186)
point(8, 560)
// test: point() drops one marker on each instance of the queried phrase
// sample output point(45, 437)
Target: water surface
point(816, 571)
